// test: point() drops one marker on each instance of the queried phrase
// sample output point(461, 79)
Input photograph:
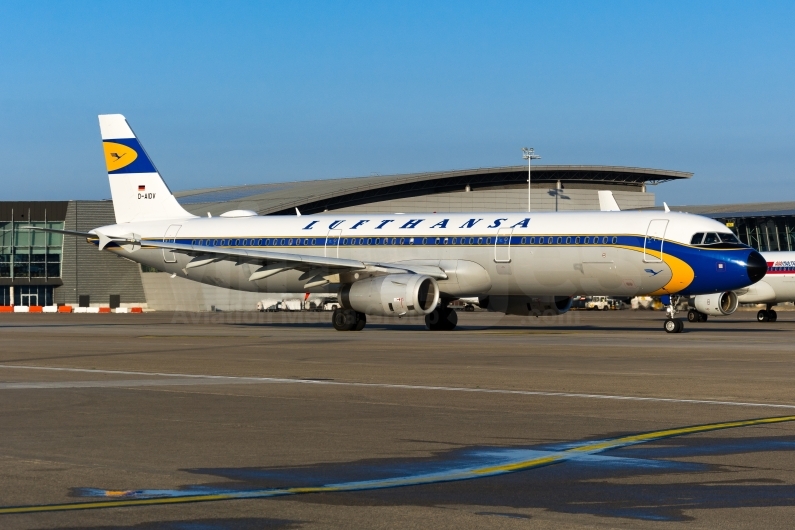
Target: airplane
point(403, 265)
point(778, 286)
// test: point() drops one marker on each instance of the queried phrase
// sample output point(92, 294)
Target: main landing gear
point(767, 315)
point(348, 320)
point(696, 316)
point(442, 318)
point(673, 325)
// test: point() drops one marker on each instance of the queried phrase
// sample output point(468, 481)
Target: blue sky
point(224, 93)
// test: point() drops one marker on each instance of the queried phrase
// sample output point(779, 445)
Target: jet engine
point(718, 304)
point(527, 305)
point(393, 295)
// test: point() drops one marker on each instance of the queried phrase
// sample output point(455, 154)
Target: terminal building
point(45, 269)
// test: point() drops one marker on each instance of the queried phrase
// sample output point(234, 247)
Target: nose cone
point(756, 266)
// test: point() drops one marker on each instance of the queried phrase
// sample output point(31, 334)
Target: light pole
point(529, 155)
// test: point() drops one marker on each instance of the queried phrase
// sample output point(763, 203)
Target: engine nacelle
point(718, 304)
point(393, 295)
point(527, 305)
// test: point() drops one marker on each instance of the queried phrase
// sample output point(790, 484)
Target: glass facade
point(30, 254)
point(27, 295)
point(764, 233)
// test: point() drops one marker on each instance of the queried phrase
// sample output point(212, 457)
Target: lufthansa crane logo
point(118, 156)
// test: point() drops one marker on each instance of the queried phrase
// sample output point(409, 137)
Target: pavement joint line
point(241, 379)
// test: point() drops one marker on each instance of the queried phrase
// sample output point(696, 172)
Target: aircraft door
point(170, 237)
point(655, 237)
point(332, 248)
point(502, 245)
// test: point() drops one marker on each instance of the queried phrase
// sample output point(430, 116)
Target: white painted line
point(229, 379)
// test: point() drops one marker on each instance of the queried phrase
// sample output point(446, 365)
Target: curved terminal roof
point(314, 196)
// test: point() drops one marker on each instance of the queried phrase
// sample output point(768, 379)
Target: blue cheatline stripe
point(117, 499)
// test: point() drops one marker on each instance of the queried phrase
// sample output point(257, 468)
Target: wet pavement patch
point(633, 481)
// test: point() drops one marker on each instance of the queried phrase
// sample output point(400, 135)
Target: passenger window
point(560, 240)
point(586, 240)
point(436, 242)
point(313, 241)
point(369, 241)
point(550, 240)
point(306, 241)
point(297, 241)
point(711, 238)
point(445, 241)
point(576, 240)
point(290, 242)
point(568, 241)
point(604, 240)
point(424, 240)
point(615, 240)
point(523, 240)
point(455, 240)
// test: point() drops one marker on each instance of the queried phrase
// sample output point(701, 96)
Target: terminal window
point(28, 253)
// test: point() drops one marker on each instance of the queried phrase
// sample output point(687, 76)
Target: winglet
point(666, 207)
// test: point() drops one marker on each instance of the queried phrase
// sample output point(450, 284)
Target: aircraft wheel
point(673, 325)
point(762, 316)
point(693, 316)
point(361, 321)
point(441, 319)
point(343, 319)
point(702, 317)
point(605, 308)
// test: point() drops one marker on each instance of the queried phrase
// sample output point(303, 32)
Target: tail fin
point(138, 191)
point(607, 203)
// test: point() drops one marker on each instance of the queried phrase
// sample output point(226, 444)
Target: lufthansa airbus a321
point(415, 265)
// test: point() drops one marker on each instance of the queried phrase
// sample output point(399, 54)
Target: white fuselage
point(587, 253)
point(777, 286)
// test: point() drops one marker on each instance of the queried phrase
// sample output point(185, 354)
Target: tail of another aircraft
point(139, 192)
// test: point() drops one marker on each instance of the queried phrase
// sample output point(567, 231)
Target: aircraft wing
point(319, 270)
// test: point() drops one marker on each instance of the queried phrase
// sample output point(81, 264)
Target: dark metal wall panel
point(85, 270)
point(24, 211)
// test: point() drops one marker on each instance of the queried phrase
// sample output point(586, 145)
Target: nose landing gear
point(767, 315)
point(672, 324)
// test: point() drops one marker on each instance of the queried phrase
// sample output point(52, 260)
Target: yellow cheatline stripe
point(682, 274)
point(593, 447)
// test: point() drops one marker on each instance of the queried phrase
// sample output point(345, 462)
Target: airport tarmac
point(275, 420)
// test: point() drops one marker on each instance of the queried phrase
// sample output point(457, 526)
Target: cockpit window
point(728, 238)
point(714, 238)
